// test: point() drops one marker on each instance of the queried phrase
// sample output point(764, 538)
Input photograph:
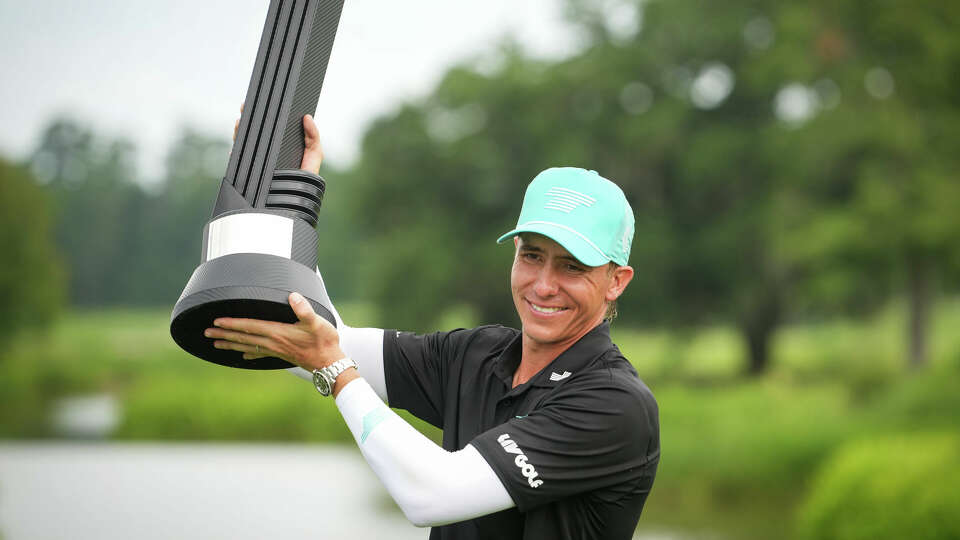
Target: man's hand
point(312, 152)
point(310, 343)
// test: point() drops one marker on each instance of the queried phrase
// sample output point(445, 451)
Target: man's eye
point(574, 268)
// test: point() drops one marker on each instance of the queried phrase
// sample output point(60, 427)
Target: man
point(547, 431)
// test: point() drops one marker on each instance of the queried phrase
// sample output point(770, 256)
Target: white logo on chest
point(526, 469)
point(559, 376)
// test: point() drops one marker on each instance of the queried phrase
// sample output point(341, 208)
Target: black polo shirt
point(576, 446)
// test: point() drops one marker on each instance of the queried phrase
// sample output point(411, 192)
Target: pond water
point(192, 491)
point(104, 491)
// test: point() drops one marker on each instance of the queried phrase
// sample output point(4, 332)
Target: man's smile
point(546, 310)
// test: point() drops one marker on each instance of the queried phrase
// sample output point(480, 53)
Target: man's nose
point(546, 283)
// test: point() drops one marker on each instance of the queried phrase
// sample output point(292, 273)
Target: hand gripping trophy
point(261, 242)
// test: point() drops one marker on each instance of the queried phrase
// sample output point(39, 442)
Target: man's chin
point(542, 333)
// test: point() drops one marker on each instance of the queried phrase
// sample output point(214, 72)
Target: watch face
point(321, 383)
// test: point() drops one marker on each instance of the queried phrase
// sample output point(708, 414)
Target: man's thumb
point(301, 308)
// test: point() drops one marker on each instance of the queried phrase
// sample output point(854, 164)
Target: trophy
point(261, 242)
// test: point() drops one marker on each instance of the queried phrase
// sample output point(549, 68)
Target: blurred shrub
point(921, 402)
point(31, 279)
point(904, 487)
point(228, 405)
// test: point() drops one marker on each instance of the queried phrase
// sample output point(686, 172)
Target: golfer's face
point(558, 298)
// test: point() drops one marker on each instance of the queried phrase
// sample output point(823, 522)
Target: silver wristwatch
point(324, 378)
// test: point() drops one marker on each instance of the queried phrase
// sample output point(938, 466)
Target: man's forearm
point(431, 485)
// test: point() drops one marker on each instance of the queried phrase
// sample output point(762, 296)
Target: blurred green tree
point(438, 182)
point(660, 112)
point(170, 224)
point(97, 203)
point(125, 244)
point(870, 205)
point(31, 276)
point(756, 142)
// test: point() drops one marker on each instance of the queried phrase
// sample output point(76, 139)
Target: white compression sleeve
point(431, 485)
point(364, 345)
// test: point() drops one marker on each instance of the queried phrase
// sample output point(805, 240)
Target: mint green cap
point(580, 210)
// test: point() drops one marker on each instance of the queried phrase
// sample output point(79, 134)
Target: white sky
point(144, 69)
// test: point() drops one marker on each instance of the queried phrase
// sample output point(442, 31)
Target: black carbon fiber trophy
point(261, 243)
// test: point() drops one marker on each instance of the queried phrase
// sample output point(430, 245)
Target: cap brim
point(578, 246)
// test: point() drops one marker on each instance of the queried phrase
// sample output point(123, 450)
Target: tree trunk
point(919, 301)
point(758, 347)
point(758, 325)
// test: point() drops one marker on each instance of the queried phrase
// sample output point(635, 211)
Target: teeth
point(544, 309)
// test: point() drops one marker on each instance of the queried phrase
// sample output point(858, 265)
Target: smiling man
point(548, 433)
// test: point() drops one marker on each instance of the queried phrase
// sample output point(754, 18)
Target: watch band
point(325, 377)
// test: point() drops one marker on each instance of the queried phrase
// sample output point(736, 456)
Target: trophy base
point(242, 285)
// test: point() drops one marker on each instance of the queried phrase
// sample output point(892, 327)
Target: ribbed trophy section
point(298, 192)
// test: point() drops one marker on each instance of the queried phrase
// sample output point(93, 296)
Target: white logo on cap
point(565, 200)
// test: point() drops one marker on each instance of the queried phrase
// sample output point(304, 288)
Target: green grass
point(871, 349)
point(166, 394)
point(738, 453)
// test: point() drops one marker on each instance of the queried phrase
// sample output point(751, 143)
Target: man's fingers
point(240, 347)
point(310, 130)
point(240, 338)
point(250, 326)
point(252, 347)
point(236, 125)
point(312, 152)
point(234, 346)
point(250, 352)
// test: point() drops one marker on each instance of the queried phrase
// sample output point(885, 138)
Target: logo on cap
point(565, 200)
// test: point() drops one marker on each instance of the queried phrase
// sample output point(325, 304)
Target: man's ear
point(618, 282)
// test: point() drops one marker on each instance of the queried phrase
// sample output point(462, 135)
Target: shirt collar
point(593, 344)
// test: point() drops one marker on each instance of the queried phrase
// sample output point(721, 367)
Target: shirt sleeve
point(416, 368)
point(588, 437)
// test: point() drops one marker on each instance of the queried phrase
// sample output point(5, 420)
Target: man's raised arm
point(431, 485)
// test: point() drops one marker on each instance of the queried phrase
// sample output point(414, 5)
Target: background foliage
point(31, 277)
point(914, 498)
point(792, 168)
